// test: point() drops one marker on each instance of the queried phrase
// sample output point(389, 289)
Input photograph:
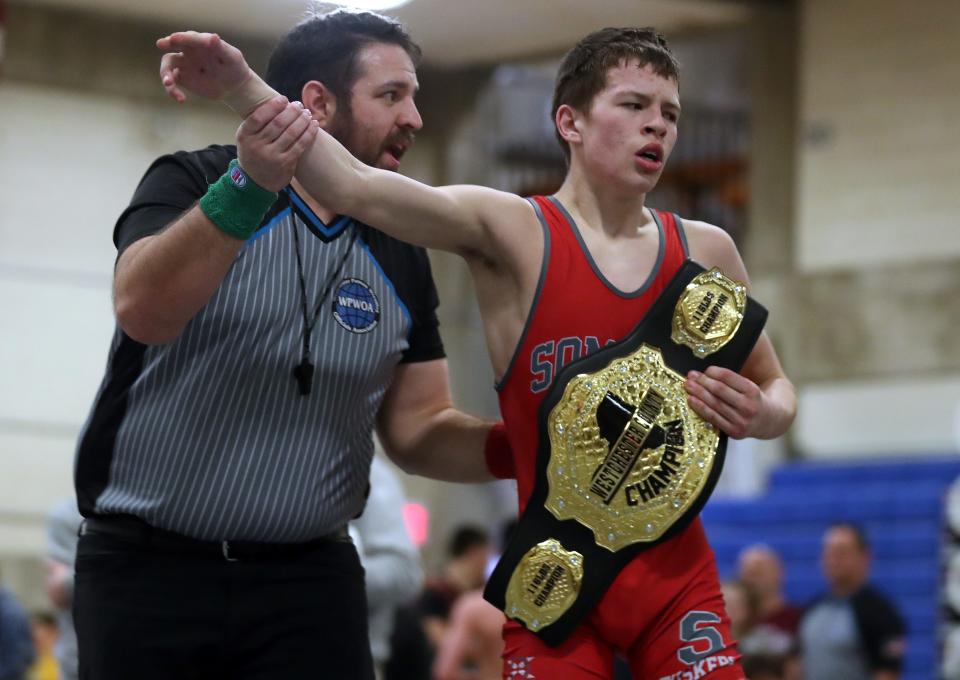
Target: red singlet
point(664, 611)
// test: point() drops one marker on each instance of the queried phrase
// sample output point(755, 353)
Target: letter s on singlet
point(699, 628)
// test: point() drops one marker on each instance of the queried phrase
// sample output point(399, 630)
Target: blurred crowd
point(438, 626)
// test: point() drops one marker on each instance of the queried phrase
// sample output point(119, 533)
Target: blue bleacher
point(899, 503)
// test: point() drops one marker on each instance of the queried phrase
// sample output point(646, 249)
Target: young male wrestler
point(557, 278)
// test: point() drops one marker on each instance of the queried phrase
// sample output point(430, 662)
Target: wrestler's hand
point(203, 64)
point(726, 399)
point(272, 138)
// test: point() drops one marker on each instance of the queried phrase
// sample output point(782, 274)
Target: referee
point(260, 339)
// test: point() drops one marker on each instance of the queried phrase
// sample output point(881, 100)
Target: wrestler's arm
point(424, 434)
point(161, 281)
point(760, 401)
point(460, 219)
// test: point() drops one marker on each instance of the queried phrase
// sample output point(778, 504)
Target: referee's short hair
point(325, 46)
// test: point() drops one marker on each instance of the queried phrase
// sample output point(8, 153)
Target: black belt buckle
point(140, 533)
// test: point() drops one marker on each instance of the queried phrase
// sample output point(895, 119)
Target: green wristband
point(236, 204)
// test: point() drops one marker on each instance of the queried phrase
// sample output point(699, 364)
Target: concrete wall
point(879, 136)
point(874, 299)
point(82, 118)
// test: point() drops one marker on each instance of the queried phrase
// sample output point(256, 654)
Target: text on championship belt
point(544, 585)
point(628, 455)
point(609, 477)
point(709, 312)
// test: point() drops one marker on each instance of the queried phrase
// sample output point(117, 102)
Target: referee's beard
point(361, 141)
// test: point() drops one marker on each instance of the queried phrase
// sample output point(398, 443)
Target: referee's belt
point(138, 533)
point(624, 463)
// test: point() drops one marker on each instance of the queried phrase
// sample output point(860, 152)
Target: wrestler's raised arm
point(470, 220)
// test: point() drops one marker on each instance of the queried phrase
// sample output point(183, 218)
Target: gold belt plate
point(544, 584)
point(709, 312)
point(623, 491)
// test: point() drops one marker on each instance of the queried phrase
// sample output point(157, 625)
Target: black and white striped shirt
point(208, 435)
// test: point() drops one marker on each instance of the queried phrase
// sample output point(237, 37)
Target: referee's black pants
point(147, 613)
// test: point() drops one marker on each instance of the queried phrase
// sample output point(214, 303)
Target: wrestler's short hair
point(583, 71)
point(325, 47)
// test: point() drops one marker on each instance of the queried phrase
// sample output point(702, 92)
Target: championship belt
point(624, 462)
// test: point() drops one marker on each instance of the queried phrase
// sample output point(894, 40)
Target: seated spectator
point(63, 525)
point(473, 645)
point(773, 634)
point(420, 629)
point(741, 603)
point(763, 668)
point(465, 571)
point(43, 626)
point(16, 642)
point(389, 558)
point(852, 632)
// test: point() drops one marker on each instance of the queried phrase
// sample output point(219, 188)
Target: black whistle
point(303, 372)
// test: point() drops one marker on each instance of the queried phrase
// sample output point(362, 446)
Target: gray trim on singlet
point(593, 265)
point(217, 443)
point(677, 220)
point(498, 384)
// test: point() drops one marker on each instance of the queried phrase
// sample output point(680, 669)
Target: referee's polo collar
point(320, 229)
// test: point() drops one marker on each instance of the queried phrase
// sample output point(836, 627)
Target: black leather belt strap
point(601, 566)
point(138, 533)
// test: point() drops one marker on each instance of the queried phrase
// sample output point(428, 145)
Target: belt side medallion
point(544, 585)
point(709, 312)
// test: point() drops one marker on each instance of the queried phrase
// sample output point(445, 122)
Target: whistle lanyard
point(303, 372)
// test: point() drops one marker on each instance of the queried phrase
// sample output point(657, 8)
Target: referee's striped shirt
point(208, 435)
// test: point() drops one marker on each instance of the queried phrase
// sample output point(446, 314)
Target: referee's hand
point(271, 140)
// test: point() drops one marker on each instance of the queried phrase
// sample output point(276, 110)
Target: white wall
point(880, 147)
point(880, 417)
point(877, 232)
point(69, 163)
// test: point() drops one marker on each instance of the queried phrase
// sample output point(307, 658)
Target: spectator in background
point(16, 642)
point(764, 649)
point(420, 629)
point(763, 668)
point(63, 524)
point(391, 561)
point(411, 657)
point(465, 571)
point(853, 632)
point(493, 556)
point(742, 605)
point(473, 645)
point(771, 645)
point(43, 626)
